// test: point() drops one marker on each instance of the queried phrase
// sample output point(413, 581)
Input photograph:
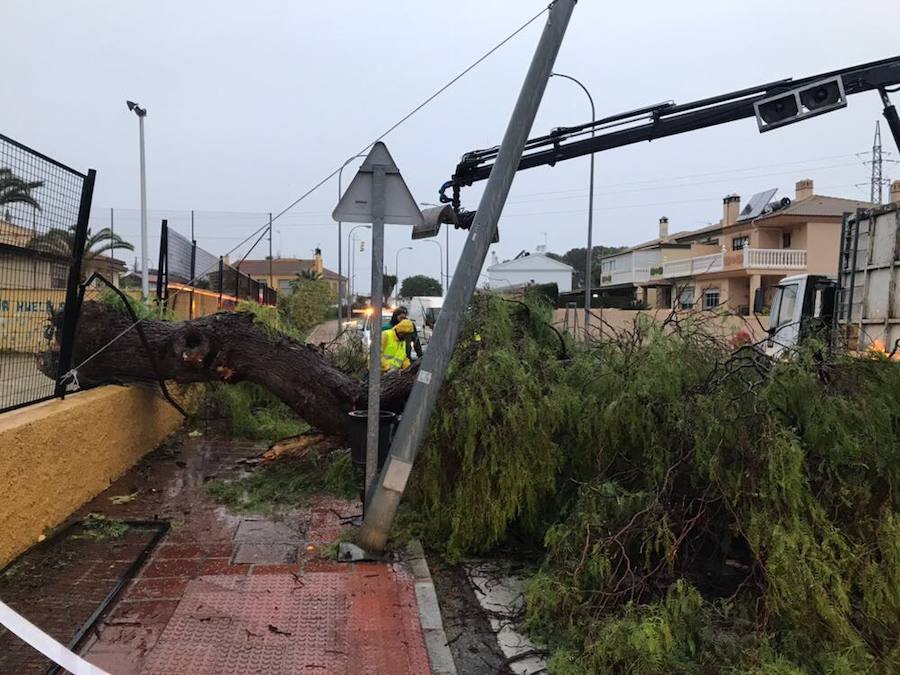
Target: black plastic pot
point(356, 432)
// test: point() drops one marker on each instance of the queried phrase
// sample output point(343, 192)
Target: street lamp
point(340, 238)
point(397, 269)
point(350, 268)
point(145, 271)
point(446, 247)
point(588, 265)
point(440, 259)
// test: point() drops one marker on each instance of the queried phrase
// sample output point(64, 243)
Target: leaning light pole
point(385, 496)
point(145, 267)
point(589, 257)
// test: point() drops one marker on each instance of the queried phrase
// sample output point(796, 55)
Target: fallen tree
point(691, 508)
point(228, 347)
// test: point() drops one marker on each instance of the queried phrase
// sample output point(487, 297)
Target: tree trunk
point(226, 347)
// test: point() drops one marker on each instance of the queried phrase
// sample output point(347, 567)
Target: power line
point(709, 173)
point(315, 187)
point(681, 185)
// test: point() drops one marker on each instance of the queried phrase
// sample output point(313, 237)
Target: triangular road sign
point(355, 205)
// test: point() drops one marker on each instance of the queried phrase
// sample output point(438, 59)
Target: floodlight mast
point(668, 119)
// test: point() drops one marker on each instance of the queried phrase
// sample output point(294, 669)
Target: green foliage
point(576, 258)
point(288, 483)
point(251, 412)
point(270, 319)
point(60, 242)
point(16, 190)
point(307, 304)
point(697, 510)
point(101, 528)
point(421, 285)
point(348, 354)
point(149, 311)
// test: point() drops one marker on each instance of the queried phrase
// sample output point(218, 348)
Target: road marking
point(45, 644)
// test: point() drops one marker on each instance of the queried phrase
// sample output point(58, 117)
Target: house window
point(710, 298)
point(59, 276)
point(686, 298)
point(785, 240)
point(739, 243)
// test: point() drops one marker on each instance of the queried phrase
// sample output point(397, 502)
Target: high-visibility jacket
point(393, 351)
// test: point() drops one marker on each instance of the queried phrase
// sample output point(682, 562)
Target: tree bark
point(226, 347)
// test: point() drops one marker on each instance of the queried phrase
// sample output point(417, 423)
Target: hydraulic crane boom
point(669, 119)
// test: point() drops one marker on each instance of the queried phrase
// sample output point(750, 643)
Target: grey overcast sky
point(250, 104)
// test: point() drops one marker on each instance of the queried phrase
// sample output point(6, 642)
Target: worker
point(393, 346)
point(412, 340)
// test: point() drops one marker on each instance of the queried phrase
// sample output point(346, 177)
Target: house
point(634, 275)
point(282, 271)
point(756, 248)
point(529, 268)
point(723, 264)
point(111, 268)
point(22, 267)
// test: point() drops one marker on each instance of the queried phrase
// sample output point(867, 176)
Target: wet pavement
point(59, 585)
point(224, 593)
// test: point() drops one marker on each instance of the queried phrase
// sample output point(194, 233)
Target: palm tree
point(309, 274)
point(15, 190)
point(61, 242)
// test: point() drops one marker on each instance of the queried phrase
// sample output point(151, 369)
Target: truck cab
point(803, 306)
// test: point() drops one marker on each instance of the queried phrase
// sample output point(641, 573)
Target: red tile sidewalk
point(191, 610)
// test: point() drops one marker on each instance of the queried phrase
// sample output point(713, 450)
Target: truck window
point(785, 303)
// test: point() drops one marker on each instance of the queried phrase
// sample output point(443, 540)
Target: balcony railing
point(748, 258)
point(690, 266)
point(775, 258)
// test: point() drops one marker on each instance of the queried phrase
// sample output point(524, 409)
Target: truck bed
point(869, 300)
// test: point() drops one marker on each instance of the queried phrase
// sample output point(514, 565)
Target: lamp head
point(136, 109)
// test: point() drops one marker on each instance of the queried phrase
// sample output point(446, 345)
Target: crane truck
point(859, 306)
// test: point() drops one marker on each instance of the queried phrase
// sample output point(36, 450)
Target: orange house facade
point(742, 255)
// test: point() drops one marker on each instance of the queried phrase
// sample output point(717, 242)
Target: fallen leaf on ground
point(195, 433)
point(123, 499)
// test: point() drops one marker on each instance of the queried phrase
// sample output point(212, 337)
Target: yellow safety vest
point(393, 351)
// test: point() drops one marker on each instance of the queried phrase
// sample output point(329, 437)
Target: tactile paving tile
point(271, 624)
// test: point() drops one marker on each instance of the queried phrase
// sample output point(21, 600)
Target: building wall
point(55, 456)
point(823, 248)
point(19, 272)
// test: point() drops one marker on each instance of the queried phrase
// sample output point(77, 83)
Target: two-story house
point(280, 272)
point(635, 275)
point(757, 247)
point(722, 265)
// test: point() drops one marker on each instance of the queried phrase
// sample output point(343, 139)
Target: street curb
point(439, 655)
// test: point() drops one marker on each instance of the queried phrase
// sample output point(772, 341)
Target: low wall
point(56, 455)
point(725, 325)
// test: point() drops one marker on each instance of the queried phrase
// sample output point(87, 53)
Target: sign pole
point(385, 499)
point(373, 417)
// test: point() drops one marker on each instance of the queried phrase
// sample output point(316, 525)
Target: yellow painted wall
point(24, 314)
point(57, 455)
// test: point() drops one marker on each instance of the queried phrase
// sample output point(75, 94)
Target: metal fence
point(193, 282)
point(44, 210)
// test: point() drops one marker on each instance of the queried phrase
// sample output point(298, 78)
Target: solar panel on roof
point(756, 204)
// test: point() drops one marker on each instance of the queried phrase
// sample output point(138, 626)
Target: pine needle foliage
point(697, 509)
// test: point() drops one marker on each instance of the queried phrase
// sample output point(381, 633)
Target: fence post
point(163, 245)
point(71, 309)
point(193, 269)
